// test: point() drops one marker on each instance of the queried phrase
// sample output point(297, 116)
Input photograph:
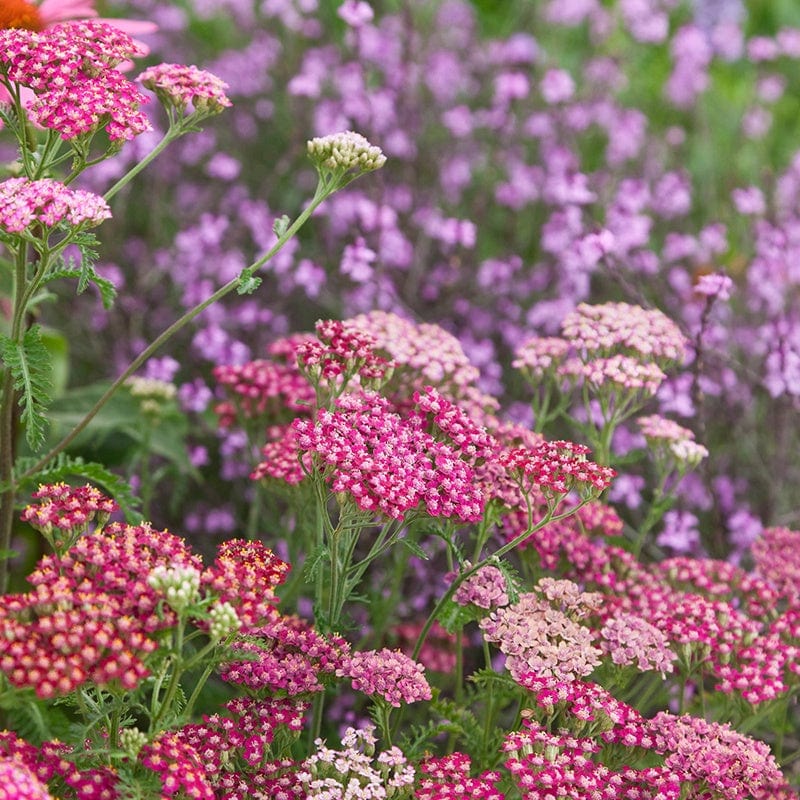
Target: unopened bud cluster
point(179, 585)
point(132, 740)
point(224, 621)
point(343, 152)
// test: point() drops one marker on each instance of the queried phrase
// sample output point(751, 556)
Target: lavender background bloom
point(527, 172)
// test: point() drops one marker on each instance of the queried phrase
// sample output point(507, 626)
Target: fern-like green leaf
point(31, 367)
point(86, 275)
point(66, 468)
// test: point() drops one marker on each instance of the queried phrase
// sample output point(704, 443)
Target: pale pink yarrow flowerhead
point(47, 202)
point(630, 639)
point(17, 782)
point(539, 355)
point(622, 372)
point(178, 86)
point(486, 588)
point(386, 673)
point(611, 328)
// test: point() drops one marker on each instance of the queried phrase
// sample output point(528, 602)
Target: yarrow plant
point(411, 591)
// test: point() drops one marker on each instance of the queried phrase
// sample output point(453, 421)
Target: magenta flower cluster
point(71, 67)
point(387, 463)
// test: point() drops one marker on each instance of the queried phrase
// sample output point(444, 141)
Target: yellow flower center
point(20, 14)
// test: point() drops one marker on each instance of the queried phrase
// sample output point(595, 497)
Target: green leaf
point(413, 547)
point(248, 282)
point(30, 364)
point(86, 274)
point(67, 468)
point(281, 225)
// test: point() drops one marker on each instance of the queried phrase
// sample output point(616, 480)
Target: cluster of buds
point(179, 87)
point(179, 585)
point(341, 157)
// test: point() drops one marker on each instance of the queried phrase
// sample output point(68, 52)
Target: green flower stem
point(501, 551)
point(176, 326)
point(8, 423)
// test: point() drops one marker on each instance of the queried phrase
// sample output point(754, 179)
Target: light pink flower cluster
point(629, 639)
point(776, 554)
point(540, 356)
point(557, 467)
point(679, 441)
point(17, 782)
point(598, 331)
point(246, 574)
point(386, 673)
point(618, 371)
point(538, 638)
point(388, 463)
point(424, 354)
point(68, 510)
point(286, 656)
point(339, 353)
point(179, 765)
point(71, 68)
point(180, 86)
point(448, 778)
point(47, 202)
point(485, 589)
point(716, 758)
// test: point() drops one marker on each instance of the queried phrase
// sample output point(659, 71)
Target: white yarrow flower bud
point(179, 585)
point(343, 152)
point(223, 621)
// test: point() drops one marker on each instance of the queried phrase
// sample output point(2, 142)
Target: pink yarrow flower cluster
point(388, 674)
point(448, 778)
point(388, 463)
point(68, 510)
point(178, 86)
point(540, 355)
point(556, 467)
point(538, 638)
point(487, 588)
point(424, 354)
point(72, 70)
point(47, 202)
point(341, 352)
point(629, 639)
point(613, 328)
point(17, 782)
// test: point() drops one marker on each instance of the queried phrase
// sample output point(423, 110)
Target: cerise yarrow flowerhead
point(178, 86)
point(65, 512)
point(17, 782)
point(387, 463)
point(72, 70)
point(25, 203)
point(556, 468)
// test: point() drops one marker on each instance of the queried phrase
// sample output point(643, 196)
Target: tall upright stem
point(8, 422)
